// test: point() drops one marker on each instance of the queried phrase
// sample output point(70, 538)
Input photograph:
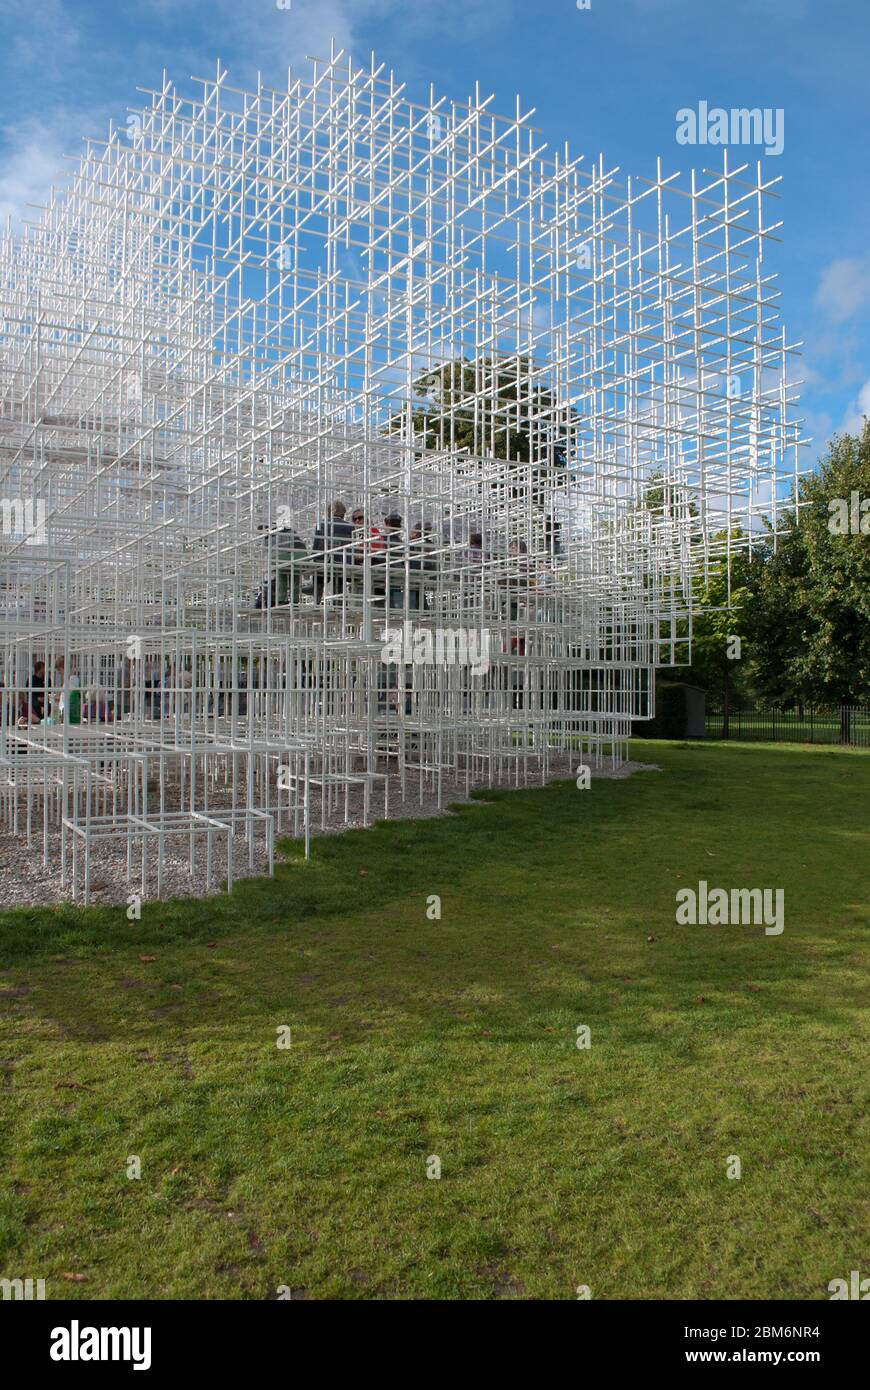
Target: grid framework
point(353, 447)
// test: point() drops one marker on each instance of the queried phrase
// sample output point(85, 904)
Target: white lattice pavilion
point(250, 305)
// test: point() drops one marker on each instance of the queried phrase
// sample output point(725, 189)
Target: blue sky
point(610, 79)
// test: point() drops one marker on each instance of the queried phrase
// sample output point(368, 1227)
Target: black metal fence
point(843, 724)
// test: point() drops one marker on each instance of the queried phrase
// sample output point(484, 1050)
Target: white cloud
point(268, 36)
point(853, 420)
point(252, 37)
point(43, 39)
point(256, 36)
point(844, 287)
point(171, 34)
point(31, 163)
point(248, 37)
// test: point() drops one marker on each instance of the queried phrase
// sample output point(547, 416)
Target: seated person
point(98, 708)
point(284, 548)
point(421, 548)
point(32, 706)
point(369, 540)
point(391, 538)
point(68, 705)
point(329, 546)
point(37, 689)
point(395, 555)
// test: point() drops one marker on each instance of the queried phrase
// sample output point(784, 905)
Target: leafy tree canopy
point(493, 407)
point(809, 609)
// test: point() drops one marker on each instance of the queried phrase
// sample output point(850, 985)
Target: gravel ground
point(26, 882)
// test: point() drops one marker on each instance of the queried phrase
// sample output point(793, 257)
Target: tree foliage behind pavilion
point(492, 407)
point(800, 604)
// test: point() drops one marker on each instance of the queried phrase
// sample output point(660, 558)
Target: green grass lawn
point(307, 1167)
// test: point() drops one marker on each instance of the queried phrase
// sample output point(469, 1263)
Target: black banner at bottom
point(80, 1337)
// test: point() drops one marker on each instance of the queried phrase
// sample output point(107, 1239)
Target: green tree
point(809, 612)
point(493, 408)
point(719, 628)
point(722, 636)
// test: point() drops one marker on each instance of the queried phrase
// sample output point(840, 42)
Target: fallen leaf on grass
point(74, 1278)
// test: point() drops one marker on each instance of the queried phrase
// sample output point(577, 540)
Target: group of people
point(61, 701)
point(340, 544)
